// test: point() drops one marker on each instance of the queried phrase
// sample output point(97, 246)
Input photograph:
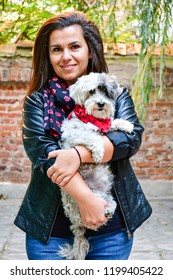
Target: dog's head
point(97, 92)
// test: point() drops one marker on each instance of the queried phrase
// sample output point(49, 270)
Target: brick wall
point(14, 77)
point(155, 157)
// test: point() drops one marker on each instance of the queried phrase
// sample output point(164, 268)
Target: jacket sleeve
point(126, 145)
point(37, 143)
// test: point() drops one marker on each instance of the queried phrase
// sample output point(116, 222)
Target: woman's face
point(69, 53)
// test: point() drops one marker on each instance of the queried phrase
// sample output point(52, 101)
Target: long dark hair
point(41, 67)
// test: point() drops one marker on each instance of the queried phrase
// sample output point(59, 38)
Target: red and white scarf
point(102, 125)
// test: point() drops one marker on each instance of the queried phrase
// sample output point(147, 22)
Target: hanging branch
point(154, 25)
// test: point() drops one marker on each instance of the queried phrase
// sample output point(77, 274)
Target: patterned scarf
point(57, 105)
point(101, 125)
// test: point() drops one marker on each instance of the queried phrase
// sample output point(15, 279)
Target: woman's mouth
point(68, 67)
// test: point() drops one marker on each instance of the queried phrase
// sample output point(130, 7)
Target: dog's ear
point(75, 92)
point(113, 87)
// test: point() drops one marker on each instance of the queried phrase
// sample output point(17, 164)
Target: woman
point(68, 46)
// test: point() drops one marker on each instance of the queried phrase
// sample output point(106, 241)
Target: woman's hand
point(92, 211)
point(66, 164)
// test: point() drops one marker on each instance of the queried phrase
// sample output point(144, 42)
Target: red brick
point(152, 157)
point(146, 164)
point(153, 160)
point(166, 131)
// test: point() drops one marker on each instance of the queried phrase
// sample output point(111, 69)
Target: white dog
point(95, 96)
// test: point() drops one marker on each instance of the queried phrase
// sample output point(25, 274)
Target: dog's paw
point(97, 155)
point(123, 125)
point(97, 148)
point(110, 209)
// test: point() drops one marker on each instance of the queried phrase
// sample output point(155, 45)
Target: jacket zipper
point(54, 220)
point(128, 231)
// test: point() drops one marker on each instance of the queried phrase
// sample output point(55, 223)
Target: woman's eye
point(56, 49)
point(75, 47)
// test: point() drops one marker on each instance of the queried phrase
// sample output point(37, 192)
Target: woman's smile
point(68, 67)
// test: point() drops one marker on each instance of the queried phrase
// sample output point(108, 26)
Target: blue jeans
point(111, 246)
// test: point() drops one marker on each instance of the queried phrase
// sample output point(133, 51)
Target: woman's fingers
point(65, 166)
point(53, 154)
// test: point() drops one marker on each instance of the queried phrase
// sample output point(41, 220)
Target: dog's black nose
point(101, 104)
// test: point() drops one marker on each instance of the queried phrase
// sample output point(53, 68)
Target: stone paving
point(153, 240)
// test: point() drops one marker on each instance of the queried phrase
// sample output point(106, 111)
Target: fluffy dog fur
point(97, 93)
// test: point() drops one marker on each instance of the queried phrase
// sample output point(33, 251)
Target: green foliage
point(148, 22)
point(155, 22)
point(20, 19)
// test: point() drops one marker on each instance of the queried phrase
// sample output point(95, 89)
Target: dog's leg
point(111, 207)
point(100, 180)
point(124, 125)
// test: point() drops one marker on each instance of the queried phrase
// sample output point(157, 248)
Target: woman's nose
point(66, 55)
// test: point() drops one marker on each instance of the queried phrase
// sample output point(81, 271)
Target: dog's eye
point(103, 88)
point(92, 91)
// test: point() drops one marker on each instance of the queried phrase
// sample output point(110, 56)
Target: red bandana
point(103, 125)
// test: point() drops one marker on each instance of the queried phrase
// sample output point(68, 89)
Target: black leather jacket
point(38, 211)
